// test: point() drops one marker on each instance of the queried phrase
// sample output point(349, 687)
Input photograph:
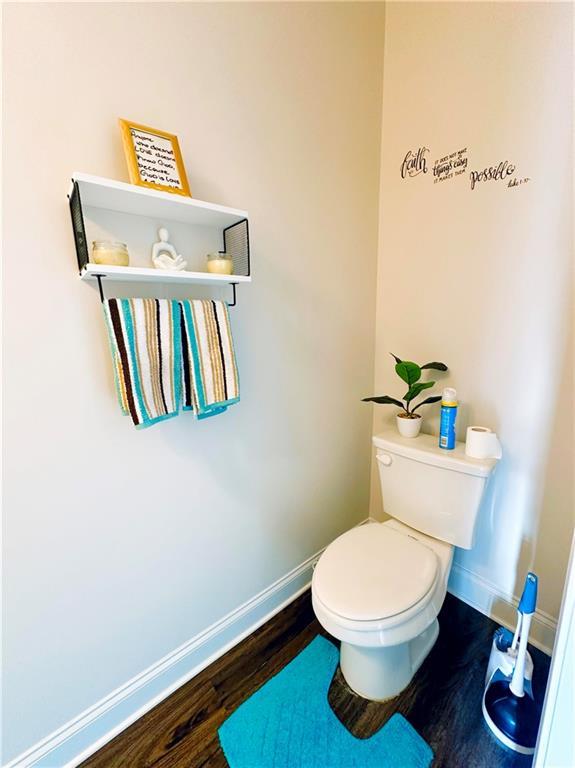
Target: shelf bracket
point(233, 302)
point(99, 279)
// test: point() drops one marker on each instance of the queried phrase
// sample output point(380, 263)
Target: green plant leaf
point(427, 401)
point(417, 389)
point(383, 400)
point(435, 366)
point(409, 372)
point(396, 358)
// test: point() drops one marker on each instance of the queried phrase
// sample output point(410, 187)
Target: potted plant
point(409, 422)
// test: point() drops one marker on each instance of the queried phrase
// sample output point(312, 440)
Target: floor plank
point(443, 702)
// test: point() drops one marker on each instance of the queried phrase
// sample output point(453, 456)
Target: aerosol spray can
point(448, 416)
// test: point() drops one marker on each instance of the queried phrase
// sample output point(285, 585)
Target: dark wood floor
point(443, 702)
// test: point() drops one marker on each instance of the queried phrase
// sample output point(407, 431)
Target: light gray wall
point(482, 279)
point(121, 544)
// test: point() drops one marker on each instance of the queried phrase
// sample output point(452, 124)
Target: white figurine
point(164, 255)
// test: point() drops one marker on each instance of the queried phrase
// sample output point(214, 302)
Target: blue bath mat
point(288, 723)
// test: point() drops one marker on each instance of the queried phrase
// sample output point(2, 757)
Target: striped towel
point(145, 342)
point(209, 373)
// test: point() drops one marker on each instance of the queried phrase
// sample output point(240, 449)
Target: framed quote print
point(154, 158)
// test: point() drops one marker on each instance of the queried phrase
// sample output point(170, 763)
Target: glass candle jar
point(110, 252)
point(220, 263)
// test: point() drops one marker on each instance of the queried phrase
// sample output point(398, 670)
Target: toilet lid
point(374, 572)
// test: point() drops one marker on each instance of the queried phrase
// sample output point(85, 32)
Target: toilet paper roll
point(482, 443)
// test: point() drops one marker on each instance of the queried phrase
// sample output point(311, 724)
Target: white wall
point(120, 545)
point(556, 740)
point(482, 279)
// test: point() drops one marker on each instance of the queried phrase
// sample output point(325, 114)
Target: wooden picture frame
point(154, 158)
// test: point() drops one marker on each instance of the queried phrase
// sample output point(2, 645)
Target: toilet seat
point(373, 573)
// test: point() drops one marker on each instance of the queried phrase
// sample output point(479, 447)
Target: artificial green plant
point(410, 373)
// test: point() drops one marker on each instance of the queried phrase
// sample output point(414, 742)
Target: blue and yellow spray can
point(448, 416)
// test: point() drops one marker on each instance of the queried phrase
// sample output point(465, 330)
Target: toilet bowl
point(378, 589)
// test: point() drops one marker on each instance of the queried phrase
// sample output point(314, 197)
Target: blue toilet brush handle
point(526, 609)
point(529, 597)
point(526, 605)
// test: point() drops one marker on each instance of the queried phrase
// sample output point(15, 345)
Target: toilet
point(379, 587)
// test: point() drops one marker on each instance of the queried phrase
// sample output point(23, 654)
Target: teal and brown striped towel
point(168, 354)
point(209, 373)
point(145, 342)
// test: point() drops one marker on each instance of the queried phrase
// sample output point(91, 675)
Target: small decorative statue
point(164, 255)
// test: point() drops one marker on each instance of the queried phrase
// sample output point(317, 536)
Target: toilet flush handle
point(385, 459)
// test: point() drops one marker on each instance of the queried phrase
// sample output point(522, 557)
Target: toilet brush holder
point(503, 657)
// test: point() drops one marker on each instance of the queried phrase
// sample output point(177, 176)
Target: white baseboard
point(90, 730)
point(487, 598)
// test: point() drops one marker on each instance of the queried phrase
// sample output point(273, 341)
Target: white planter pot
point(408, 427)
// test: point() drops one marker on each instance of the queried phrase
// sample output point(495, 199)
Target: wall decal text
point(517, 182)
point(455, 164)
point(493, 173)
point(449, 166)
point(414, 163)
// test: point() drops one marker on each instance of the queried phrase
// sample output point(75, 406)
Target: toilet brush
point(508, 709)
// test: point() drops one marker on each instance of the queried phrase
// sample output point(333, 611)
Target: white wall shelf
point(146, 275)
point(112, 195)
point(126, 212)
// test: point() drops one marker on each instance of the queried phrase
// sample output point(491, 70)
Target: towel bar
point(102, 297)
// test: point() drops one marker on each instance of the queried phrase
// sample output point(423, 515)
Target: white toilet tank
point(433, 490)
